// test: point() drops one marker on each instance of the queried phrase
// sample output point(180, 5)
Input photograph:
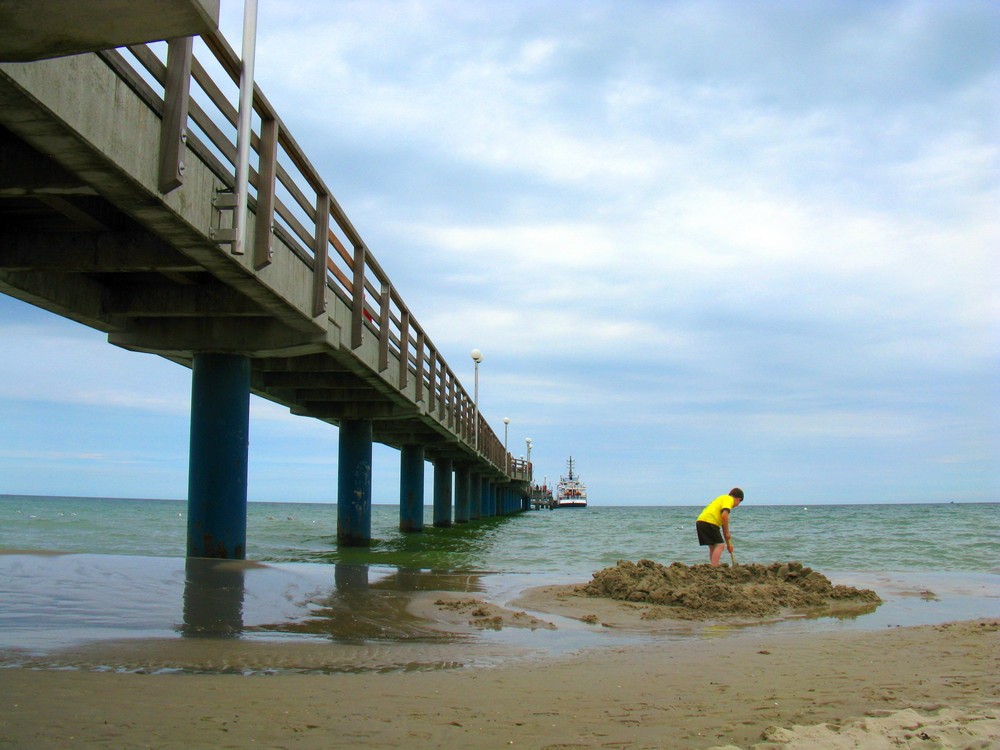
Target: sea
point(83, 570)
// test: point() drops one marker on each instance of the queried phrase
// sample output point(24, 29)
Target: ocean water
point(838, 538)
point(80, 578)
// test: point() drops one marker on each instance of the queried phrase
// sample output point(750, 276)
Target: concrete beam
point(183, 337)
point(327, 379)
point(337, 395)
point(25, 171)
point(75, 297)
point(42, 29)
point(91, 252)
point(327, 410)
point(180, 302)
point(309, 364)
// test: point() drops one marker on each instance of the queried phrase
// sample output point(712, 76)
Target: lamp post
point(506, 455)
point(528, 465)
point(477, 357)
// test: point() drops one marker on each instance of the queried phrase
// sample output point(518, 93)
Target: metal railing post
point(243, 125)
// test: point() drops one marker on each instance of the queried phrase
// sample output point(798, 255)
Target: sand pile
point(947, 728)
point(703, 591)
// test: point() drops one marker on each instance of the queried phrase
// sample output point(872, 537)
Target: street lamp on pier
point(506, 455)
point(528, 465)
point(477, 357)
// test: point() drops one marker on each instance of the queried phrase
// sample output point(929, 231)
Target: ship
point(571, 492)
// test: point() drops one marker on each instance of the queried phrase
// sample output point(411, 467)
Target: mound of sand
point(947, 728)
point(704, 591)
point(453, 611)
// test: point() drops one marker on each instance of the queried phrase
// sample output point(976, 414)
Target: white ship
point(571, 492)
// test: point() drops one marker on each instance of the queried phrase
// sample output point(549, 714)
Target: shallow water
point(127, 598)
point(916, 536)
point(138, 613)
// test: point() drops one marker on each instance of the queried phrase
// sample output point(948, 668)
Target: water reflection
point(213, 598)
point(356, 609)
point(457, 547)
point(348, 602)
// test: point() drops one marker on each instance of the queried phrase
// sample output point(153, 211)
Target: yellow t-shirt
point(713, 511)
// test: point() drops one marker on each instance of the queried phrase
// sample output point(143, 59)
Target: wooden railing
point(291, 201)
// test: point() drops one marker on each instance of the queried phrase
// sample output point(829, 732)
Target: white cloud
point(656, 219)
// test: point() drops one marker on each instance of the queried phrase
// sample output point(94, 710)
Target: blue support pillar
point(217, 471)
point(411, 488)
point(486, 491)
point(475, 496)
point(461, 494)
point(442, 491)
point(354, 483)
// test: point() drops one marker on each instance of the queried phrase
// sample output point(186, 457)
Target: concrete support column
point(487, 494)
point(475, 496)
point(219, 444)
point(442, 491)
point(354, 483)
point(411, 488)
point(461, 494)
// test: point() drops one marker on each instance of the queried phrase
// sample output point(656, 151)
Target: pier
point(171, 208)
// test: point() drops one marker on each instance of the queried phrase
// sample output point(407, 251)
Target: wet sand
point(711, 692)
point(442, 661)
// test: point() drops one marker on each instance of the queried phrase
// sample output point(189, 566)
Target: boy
point(713, 524)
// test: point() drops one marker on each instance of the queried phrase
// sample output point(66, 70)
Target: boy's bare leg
point(715, 553)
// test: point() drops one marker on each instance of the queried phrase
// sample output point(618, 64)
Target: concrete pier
point(442, 492)
point(354, 483)
point(219, 442)
point(475, 496)
point(411, 488)
point(461, 494)
point(121, 215)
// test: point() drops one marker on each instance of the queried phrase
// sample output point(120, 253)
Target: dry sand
point(919, 687)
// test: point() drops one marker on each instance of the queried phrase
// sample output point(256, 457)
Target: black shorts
point(709, 533)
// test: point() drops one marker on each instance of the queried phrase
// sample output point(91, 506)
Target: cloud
point(691, 237)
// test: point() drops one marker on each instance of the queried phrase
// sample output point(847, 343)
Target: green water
point(932, 537)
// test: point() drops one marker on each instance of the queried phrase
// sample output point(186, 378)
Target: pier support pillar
point(219, 444)
point(489, 498)
point(442, 491)
point(461, 494)
point(411, 488)
point(487, 491)
point(354, 483)
point(475, 496)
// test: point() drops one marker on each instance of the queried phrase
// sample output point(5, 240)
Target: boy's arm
point(725, 529)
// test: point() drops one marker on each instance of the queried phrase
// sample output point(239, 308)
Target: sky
point(700, 245)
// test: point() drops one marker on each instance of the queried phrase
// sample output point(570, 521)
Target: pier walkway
point(138, 196)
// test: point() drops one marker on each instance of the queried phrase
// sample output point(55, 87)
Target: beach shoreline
point(121, 652)
point(390, 660)
point(696, 693)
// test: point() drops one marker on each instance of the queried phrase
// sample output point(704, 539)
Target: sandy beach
point(912, 687)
